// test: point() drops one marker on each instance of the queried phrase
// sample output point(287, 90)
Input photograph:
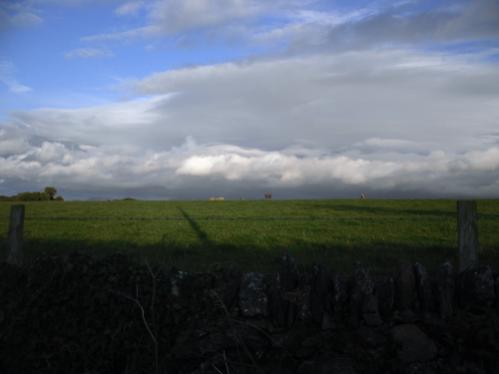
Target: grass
point(198, 235)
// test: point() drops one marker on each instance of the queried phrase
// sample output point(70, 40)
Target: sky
point(187, 99)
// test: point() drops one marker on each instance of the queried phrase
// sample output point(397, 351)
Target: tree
point(51, 191)
point(32, 196)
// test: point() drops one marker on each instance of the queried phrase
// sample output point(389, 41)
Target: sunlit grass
point(252, 234)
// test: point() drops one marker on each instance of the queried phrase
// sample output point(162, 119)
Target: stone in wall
point(283, 293)
point(412, 344)
point(321, 294)
point(302, 300)
point(405, 292)
point(423, 289)
point(340, 296)
point(445, 290)
point(496, 286)
point(476, 287)
point(276, 308)
point(363, 301)
point(227, 282)
point(385, 290)
point(288, 273)
point(370, 311)
point(253, 299)
point(326, 366)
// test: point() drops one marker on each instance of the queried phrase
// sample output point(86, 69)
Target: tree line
point(48, 194)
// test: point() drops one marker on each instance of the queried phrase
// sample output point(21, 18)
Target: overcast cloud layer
point(394, 101)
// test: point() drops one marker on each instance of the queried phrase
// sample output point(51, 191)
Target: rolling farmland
point(253, 234)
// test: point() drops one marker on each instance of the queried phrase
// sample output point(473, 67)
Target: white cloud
point(168, 17)
point(212, 166)
point(117, 123)
point(464, 21)
point(330, 100)
point(178, 15)
point(16, 87)
point(323, 101)
point(341, 122)
point(129, 8)
point(301, 27)
point(140, 32)
point(88, 53)
point(7, 77)
point(18, 14)
point(13, 146)
point(174, 17)
point(26, 18)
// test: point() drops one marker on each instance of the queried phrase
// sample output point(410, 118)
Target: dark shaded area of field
point(200, 234)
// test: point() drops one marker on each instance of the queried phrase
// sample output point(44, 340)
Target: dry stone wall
point(79, 314)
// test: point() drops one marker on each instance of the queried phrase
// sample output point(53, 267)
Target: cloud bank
point(390, 98)
point(391, 122)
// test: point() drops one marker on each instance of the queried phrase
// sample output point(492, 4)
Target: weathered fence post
point(15, 235)
point(467, 234)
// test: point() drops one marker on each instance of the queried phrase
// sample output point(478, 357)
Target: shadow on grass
point(384, 210)
point(200, 233)
point(379, 257)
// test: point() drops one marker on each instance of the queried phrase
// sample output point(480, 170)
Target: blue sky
point(309, 98)
point(50, 54)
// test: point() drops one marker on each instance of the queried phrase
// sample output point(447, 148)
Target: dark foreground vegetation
point(78, 314)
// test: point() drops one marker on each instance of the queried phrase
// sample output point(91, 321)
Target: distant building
point(217, 198)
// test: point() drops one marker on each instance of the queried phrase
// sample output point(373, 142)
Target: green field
point(253, 234)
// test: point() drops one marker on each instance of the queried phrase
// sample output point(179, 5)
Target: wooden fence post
point(467, 234)
point(15, 236)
